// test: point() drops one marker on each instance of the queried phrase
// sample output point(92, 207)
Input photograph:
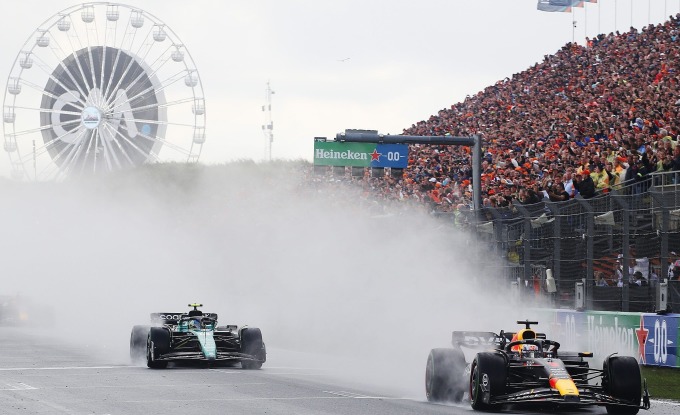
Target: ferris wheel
point(101, 87)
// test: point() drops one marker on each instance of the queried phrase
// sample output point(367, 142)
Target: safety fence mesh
point(602, 243)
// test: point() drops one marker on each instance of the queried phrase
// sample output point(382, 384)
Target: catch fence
point(580, 241)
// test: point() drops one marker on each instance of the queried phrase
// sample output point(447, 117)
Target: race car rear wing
point(483, 339)
point(173, 318)
point(476, 339)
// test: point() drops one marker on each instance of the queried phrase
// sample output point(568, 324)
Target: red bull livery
point(526, 368)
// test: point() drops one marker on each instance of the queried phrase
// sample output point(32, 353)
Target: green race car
point(196, 337)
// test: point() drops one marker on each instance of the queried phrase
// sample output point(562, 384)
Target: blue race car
point(196, 337)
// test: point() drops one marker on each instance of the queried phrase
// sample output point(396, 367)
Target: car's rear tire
point(158, 344)
point(138, 339)
point(622, 380)
point(445, 375)
point(488, 374)
point(252, 344)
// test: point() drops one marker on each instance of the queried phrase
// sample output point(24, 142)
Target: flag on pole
point(551, 6)
point(559, 5)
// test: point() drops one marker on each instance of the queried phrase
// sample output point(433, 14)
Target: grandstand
point(606, 112)
point(613, 102)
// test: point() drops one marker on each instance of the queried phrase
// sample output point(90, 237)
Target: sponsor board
point(650, 338)
point(661, 347)
point(331, 153)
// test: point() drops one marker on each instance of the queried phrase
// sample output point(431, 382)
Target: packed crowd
point(640, 273)
point(583, 121)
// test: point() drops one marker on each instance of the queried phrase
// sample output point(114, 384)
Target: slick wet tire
point(252, 344)
point(487, 373)
point(138, 343)
point(622, 380)
point(158, 344)
point(445, 375)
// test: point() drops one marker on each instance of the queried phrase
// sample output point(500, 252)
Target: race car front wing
point(197, 355)
point(586, 397)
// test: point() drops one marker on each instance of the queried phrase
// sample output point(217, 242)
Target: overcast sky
point(372, 64)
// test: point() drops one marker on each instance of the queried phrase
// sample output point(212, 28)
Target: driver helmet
point(528, 350)
point(524, 334)
point(195, 324)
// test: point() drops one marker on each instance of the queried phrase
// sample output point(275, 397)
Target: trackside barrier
point(651, 338)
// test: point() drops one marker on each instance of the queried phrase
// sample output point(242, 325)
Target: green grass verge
point(662, 382)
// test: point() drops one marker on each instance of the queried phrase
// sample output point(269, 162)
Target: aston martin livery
point(195, 337)
point(526, 368)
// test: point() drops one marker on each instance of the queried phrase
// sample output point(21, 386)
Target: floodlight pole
point(475, 141)
point(268, 126)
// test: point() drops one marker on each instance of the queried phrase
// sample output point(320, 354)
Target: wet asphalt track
point(39, 376)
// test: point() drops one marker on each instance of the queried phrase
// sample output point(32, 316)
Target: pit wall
point(651, 338)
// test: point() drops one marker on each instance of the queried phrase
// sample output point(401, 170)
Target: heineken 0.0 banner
point(651, 338)
point(333, 153)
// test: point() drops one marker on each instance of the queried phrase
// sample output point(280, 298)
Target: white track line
point(293, 368)
point(17, 386)
point(9, 369)
point(271, 399)
point(663, 402)
point(227, 371)
point(345, 394)
point(153, 386)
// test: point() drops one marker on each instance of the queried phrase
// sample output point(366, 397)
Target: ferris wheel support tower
point(268, 126)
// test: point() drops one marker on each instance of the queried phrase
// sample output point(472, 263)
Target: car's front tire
point(158, 343)
point(488, 374)
point(444, 375)
point(622, 379)
point(252, 344)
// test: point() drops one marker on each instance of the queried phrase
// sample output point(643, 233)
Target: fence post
point(497, 229)
point(625, 260)
point(665, 219)
point(526, 242)
point(515, 292)
point(557, 246)
point(589, 231)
